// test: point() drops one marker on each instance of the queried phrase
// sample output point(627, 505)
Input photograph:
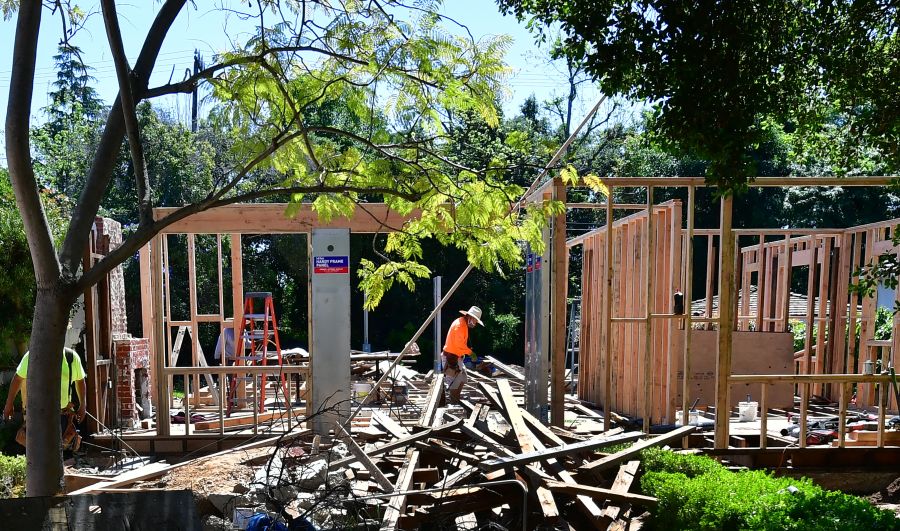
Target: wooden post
point(195, 332)
point(147, 304)
point(607, 324)
point(648, 309)
point(726, 322)
point(237, 298)
point(810, 306)
point(763, 415)
point(558, 312)
point(710, 274)
point(762, 287)
point(788, 268)
point(159, 329)
point(688, 297)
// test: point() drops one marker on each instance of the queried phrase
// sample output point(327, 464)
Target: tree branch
point(105, 156)
point(18, 147)
point(126, 95)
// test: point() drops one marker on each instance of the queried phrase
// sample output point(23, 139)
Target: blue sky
point(210, 30)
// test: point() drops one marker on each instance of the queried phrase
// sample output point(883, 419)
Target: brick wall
point(109, 236)
point(132, 354)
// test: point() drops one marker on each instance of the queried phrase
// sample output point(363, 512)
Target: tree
point(396, 73)
point(719, 74)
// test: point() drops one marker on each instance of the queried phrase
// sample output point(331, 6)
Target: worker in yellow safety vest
point(455, 348)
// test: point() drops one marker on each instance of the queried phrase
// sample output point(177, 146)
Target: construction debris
point(484, 462)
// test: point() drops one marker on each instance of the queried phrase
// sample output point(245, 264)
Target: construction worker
point(455, 348)
point(72, 373)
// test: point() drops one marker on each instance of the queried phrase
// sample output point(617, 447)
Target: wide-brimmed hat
point(474, 312)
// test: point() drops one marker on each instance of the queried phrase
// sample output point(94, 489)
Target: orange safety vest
point(458, 338)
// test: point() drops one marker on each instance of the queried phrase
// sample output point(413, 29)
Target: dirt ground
point(217, 475)
point(888, 498)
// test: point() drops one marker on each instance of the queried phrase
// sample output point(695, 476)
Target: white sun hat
point(474, 312)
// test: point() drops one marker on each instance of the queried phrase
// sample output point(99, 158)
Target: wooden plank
point(688, 313)
point(505, 368)
point(650, 261)
point(602, 494)
point(526, 443)
point(162, 390)
point(434, 398)
point(622, 484)
point(726, 323)
point(788, 270)
point(375, 473)
point(399, 443)
point(559, 280)
point(393, 427)
point(396, 506)
point(270, 218)
point(566, 449)
point(146, 307)
point(625, 455)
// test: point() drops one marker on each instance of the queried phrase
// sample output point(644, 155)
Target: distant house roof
point(797, 304)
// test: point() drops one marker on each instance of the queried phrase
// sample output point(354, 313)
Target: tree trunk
point(44, 470)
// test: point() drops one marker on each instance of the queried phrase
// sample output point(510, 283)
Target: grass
point(698, 493)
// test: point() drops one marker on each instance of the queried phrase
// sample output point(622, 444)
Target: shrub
point(12, 476)
point(696, 492)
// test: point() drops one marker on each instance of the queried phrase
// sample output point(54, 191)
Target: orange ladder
point(257, 331)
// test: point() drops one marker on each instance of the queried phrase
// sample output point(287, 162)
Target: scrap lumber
point(627, 454)
point(526, 443)
point(435, 393)
point(541, 455)
point(622, 484)
point(505, 368)
point(587, 506)
point(396, 506)
point(392, 426)
point(602, 494)
point(367, 462)
point(393, 445)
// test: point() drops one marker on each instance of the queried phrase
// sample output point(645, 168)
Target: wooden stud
point(159, 331)
point(763, 415)
point(558, 311)
point(648, 310)
point(607, 317)
point(726, 324)
point(688, 317)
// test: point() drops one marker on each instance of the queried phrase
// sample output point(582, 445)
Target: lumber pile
point(484, 463)
point(489, 463)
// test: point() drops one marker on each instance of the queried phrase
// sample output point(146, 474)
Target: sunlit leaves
point(376, 280)
point(354, 107)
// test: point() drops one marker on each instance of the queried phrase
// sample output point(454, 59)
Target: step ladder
point(201, 362)
point(572, 341)
point(258, 330)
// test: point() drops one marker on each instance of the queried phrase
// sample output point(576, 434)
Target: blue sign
point(325, 265)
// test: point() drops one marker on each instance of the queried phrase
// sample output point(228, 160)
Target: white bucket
point(693, 417)
point(361, 389)
point(747, 411)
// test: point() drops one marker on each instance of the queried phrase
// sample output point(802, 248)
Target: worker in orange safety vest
point(455, 348)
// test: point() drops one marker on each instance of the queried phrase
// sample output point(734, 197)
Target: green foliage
point(336, 148)
point(798, 328)
point(17, 284)
point(12, 476)
point(884, 323)
point(696, 492)
point(719, 76)
point(504, 329)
